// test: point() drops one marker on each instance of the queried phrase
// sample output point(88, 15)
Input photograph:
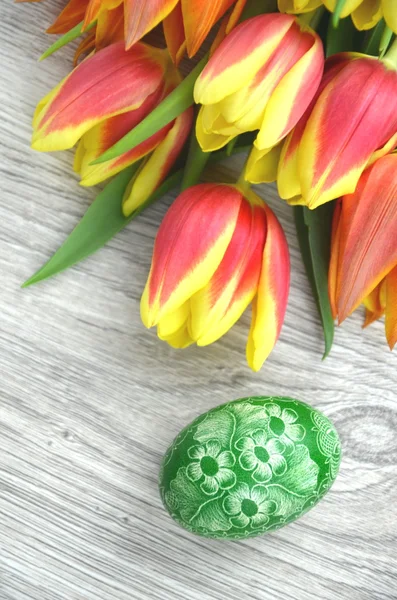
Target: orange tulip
point(363, 267)
point(186, 22)
point(217, 250)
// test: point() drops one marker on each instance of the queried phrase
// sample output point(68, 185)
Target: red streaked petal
point(109, 83)
point(189, 247)
point(270, 303)
point(215, 308)
point(240, 56)
point(370, 239)
point(158, 164)
point(354, 116)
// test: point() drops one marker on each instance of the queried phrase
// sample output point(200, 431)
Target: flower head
point(248, 506)
point(263, 455)
point(210, 463)
point(283, 425)
point(217, 250)
point(262, 77)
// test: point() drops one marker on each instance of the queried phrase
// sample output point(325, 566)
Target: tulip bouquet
point(307, 89)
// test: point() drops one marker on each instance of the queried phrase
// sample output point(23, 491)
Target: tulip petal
point(99, 88)
point(210, 140)
point(199, 16)
point(110, 27)
point(298, 6)
point(262, 165)
point(390, 14)
point(288, 181)
point(189, 247)
point(334, 258)
point(374, 307)
point(348, 7)
point(95, 7)
point(369, 239)
point(246, 106)
point(141, 16)
point(175, 34)
point(270, 303)
point(240, 56)
point(86, 46)
point(216, 307)
point(105, 134)
point(294, 92)
point(391, 308)
point(367, 14)
point(179, 340)
point(354, 116)
point(157, 166)
point(173, 322)
point(72, 15)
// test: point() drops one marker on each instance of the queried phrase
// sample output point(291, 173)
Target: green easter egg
point(249, 467)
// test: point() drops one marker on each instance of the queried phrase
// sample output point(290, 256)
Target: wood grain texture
point(90, 401)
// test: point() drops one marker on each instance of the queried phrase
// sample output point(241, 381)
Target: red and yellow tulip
point(99, 102)
point(217, 250)
point(262, 77)
point(352, 123)
point(363, 266)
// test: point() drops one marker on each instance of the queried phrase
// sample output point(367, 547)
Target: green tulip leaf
point(171, 107)
point(102, 221)
point(314, 234)
point(70, 36)
point(374, 38)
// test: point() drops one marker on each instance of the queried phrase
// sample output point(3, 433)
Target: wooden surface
point(90, 401)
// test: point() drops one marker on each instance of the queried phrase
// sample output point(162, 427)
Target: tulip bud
point(351, 123)
point(262, 76)
point(217, 250)
point(363, 265)
point(105, 97)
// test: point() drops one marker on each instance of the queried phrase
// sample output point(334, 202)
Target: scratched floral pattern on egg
point(249, 467)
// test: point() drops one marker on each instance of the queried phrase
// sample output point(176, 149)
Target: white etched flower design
point(210, 462)
point(282, 424)
point(247, 506)
point(262, 454)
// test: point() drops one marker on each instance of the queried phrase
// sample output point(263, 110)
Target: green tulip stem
point(195, 164)
point(242, 182)
point(390, 58)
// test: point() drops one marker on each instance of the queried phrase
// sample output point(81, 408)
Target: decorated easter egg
point(249, 467)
